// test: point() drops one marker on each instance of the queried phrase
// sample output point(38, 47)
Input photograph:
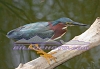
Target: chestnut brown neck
point(58, 31)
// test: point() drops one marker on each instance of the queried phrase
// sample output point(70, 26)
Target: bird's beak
point(74, 24)
point(77, 24)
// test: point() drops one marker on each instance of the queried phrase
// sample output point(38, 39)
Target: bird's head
point(67, 22)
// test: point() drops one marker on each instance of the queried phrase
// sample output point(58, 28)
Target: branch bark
point(79, 44)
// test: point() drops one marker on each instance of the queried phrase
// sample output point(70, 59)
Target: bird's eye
point(68, 23)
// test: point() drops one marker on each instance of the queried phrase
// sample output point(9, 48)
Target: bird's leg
point(47, 56)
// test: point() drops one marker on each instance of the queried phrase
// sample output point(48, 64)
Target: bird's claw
point(47, 56)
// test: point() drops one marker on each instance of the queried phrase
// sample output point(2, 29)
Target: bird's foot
point(47, 56)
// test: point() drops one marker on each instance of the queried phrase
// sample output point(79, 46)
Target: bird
point(52, 30)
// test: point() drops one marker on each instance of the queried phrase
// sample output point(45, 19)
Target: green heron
point(52, 30)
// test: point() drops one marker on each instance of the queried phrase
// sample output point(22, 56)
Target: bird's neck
point(58, 26)
point(58, 30)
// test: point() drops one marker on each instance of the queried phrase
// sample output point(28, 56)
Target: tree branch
point(89, 39)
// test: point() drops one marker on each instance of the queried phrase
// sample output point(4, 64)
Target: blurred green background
point(15, 13)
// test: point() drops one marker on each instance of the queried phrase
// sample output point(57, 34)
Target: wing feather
point(28, 31)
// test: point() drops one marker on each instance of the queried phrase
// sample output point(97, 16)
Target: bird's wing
point(28, 31)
